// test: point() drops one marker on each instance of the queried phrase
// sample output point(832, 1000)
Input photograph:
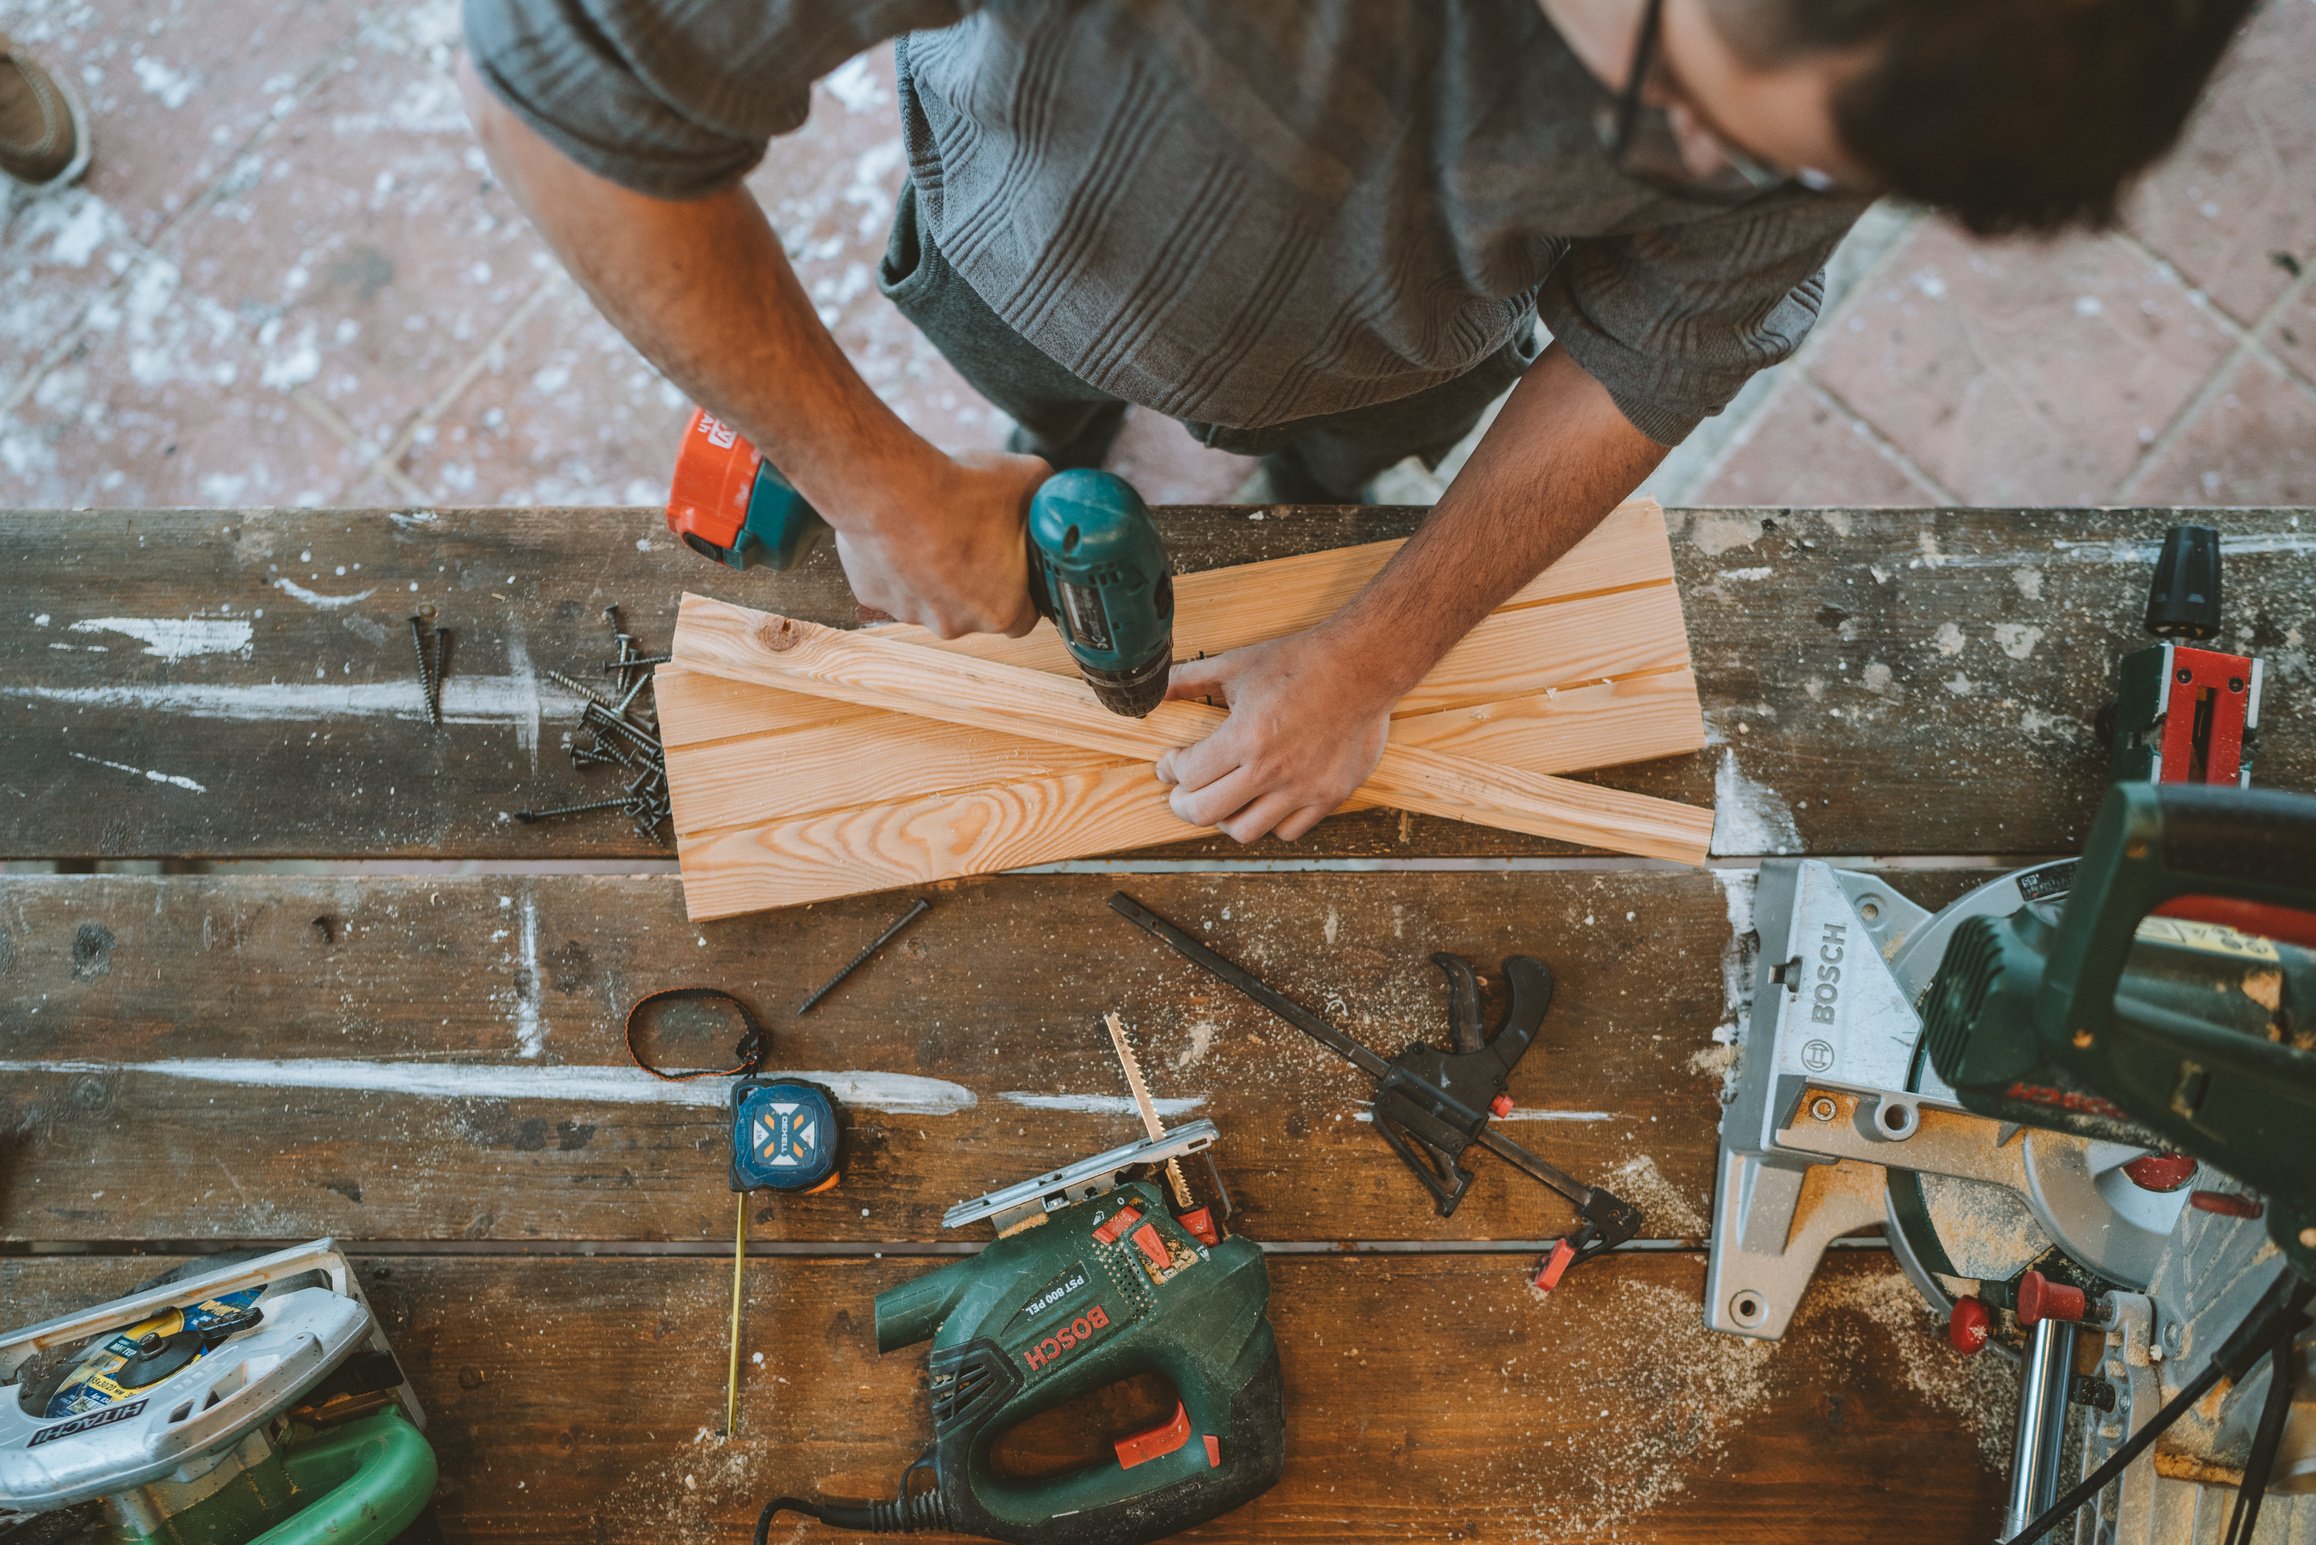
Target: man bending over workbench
point(1316, 231)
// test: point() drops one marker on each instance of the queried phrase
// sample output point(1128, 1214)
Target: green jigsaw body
point(1072, 1305)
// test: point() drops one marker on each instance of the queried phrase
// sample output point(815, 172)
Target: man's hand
point(1307, 725)
point(950, 552)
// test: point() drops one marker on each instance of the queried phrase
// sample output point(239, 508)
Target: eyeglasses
point(1641, 142)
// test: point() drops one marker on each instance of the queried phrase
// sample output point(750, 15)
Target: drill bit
point(1148, 1108)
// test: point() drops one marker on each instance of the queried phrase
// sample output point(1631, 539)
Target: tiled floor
point(290, 280)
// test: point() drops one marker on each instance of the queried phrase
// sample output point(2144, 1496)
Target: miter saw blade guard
point(1837, 1124)
point(260, 1392)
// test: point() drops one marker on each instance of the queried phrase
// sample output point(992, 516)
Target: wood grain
point(1821, 645)
point(1510, 654)
point(1224, 608)
point(433, 1057)
point(741, 781)
point(577, 1399)
point(864, 668)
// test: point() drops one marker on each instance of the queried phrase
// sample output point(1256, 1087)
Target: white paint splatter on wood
point(465, 700)
point(1748, 818)
point(158, 777)
point(176, 638)
point(1098, 1104)
point(900, 1093)
point(2017, 639)
point(292, 588)
point(1714, 535)
point(530, 1023)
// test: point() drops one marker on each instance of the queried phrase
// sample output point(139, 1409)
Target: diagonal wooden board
point(783, 797)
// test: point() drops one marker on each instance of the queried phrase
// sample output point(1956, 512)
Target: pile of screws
point(431, 661)
point(619, 730)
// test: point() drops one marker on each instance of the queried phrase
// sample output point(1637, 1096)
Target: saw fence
point(808, 763)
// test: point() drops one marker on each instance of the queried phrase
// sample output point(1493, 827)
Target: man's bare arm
point(704, 290)
point(1309, 713)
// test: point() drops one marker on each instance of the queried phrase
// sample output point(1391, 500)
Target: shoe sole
point(77, 116)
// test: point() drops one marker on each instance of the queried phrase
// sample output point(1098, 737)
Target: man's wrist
point(871, 487)
point(1377, 668)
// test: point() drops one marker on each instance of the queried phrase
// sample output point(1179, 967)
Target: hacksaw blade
point(1147, 1106)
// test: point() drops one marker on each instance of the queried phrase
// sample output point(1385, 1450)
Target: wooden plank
point(1821, 643)
point(867, 757)
point(864, 668)
point(1218, 609)
point(942, 837)
point(439, 1058)
point(577, 1399)
point(1511, 654)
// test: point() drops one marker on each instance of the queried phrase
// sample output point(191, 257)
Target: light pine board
point(841, 762)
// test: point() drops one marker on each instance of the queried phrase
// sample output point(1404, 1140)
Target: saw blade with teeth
point(1148, 1108)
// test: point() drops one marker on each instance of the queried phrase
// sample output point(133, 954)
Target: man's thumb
point(1200, 678)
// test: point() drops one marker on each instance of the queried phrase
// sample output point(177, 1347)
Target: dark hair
point(2011, 115)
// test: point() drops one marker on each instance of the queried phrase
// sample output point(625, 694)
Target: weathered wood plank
point(422, 1058)
point(1879, 682)
point(1428, 1399)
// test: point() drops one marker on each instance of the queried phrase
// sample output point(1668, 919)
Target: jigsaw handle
point(1224, 1445)
point(909, 1312)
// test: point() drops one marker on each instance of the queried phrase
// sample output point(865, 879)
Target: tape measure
point(785, 1136)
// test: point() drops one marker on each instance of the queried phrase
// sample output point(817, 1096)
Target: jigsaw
point(2077, 1099)
point(249, 1401)
point(1091, 1281)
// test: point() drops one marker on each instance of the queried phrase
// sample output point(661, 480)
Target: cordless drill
point(1097, 569)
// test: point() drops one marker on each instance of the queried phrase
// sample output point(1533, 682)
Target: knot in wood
point(779, 634)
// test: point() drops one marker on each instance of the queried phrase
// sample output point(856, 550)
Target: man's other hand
point(1306, 727)
point(951, 553)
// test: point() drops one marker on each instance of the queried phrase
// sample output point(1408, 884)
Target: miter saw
point(255, 1401)
point(2110, 1124)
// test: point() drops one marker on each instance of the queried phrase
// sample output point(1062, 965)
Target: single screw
point(642, 680)
point(637, 661)
point(916, 910)
point(580, 687)
point(528, 816)
point(425, 667)
point(441, 671)
point(1821, 1109)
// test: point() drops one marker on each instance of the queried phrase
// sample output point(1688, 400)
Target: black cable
point(2280, 1315)
point(911, 1511)
point(2260, 1463)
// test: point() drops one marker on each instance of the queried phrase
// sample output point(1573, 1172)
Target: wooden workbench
point(427, 1062)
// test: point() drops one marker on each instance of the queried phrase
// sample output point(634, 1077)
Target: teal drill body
point(1097, 571)
point(1070, 1306)
point(2159, 1030)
